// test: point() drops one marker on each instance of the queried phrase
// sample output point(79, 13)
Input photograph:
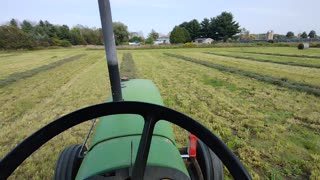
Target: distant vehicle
point(134, 43)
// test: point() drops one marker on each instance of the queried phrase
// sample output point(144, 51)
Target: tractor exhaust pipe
point(110, 49)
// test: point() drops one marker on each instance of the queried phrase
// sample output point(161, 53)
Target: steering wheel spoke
point(144, 147)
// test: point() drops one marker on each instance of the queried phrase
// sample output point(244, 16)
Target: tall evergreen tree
point(225, 26)
point(26, 26)
point(13, 23)
point(304, 35)
point(193, 27)
point(312, 34)
point(205, 28)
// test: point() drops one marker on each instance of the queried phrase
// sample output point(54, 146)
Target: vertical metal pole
point(110, 49)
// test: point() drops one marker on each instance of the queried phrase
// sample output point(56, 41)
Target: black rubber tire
point(68, 163)
point(210, 164)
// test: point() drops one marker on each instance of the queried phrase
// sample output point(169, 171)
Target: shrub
point(65, 43)
point(189, 45)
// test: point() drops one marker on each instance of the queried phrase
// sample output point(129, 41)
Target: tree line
point(304, 35)
point(28, 35)
point(219, 28)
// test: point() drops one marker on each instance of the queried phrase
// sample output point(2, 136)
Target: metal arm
point(110, 49)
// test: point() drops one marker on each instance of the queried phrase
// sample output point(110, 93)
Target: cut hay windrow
point(287, 55)
point(283, 82)
point(266, 60)
point(31, 72)
point(128, 68)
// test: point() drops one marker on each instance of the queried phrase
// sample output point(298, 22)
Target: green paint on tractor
point(115, 142)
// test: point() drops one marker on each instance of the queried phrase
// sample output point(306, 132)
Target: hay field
point(272, 124)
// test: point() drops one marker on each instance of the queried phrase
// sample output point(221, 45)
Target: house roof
point(203, 38)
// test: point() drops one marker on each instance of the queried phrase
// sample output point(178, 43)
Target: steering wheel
point(150, 112)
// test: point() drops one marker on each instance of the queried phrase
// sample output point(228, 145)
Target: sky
point(257, 16)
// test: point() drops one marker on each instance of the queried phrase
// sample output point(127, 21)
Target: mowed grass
point(280, 50)
point(13, 62)
point(274, 130)
point(293, 61)
point(31, 103)
point(296, 73)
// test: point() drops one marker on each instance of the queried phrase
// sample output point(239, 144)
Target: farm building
point(203, 40)
point(162, 40)
point(268, 36)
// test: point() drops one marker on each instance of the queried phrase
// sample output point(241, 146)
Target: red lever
point(192, 147)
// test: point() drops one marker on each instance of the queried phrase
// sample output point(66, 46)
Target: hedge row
point(266, 60)
point(283, 82)
point(28, 73)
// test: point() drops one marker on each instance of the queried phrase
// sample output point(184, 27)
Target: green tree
point(100, 36)
point(121, 33)
point(88, 35)
point(205, 28)
point(26, 26)
point(153, 34)
point(136, 38)
point(75, 37)
point(312, 34)
point(50, 29)
point(279, 36)
point(304, 35)
point(290, 35)
point(224, 27)
point(149, 40)
point(179, 35)
point(38, 29)
point(13, 23)
point(63, 32)
point(193, 27)
point(12, 37)
point(213, 29)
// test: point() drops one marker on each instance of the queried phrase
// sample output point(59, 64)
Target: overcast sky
point(258, 16)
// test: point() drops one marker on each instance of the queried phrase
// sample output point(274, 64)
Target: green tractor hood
point(115, 142)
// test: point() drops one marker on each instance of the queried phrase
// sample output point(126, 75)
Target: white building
point(135, 43)
point(203, 40)
point(162, 40)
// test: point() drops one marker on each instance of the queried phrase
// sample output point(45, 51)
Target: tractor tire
point(210, 164)
point(68, 163)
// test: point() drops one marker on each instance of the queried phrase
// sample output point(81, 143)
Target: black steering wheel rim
point(152, 114)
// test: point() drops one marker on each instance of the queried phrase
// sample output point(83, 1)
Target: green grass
point(259, 59)
point(279, 50)
point(31, 72)
point(253, 119)
point(311, 61)
point(284, 82)
point(287, 55)
point(25, 60)
point(273, 130)
point(295, 73)
point(220, 83)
